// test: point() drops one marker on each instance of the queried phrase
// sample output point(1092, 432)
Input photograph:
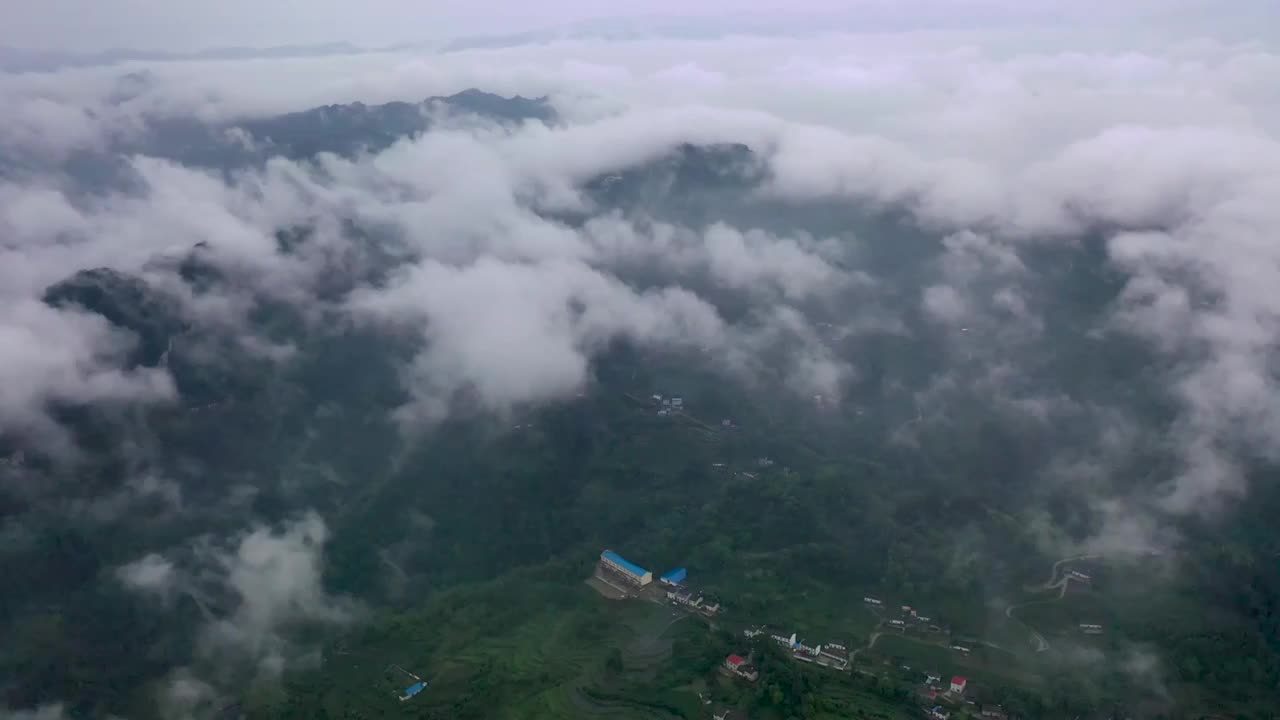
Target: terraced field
point(641, 633)
point(868, 705)
point(524, 648)
point(983, 663)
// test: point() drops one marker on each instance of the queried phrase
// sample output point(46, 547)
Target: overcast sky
point(179, 25)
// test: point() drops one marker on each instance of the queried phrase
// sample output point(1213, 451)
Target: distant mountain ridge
point(345, 130)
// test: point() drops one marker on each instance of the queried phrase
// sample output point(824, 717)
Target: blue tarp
point(414, 689)
point(626, 564)
point(675, 576)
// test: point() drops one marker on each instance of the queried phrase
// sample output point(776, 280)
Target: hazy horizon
point(185, 26)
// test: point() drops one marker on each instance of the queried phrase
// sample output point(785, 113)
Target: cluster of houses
point(934, 693)
point(832, 655)
point(619, 570)
point(761, 463)
point(668, 405)
point(910, 617)
point(686, 597)
point(934, 690)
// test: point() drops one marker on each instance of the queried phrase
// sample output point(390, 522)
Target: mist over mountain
point(315, 364)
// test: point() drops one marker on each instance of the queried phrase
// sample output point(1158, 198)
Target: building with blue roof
point(628, 570)
point(674, 577)
point(412, 690)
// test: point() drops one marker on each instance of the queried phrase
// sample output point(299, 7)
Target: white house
point(958, 684)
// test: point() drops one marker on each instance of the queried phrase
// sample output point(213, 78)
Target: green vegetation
point(796, 547)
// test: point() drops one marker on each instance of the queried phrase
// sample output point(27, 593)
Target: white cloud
point(522, 332)
point(1164, 140)
point(254, 590)
point(150, 574)
point(184, 696)
point(63, 356)
point(944, 304)
point(276, 580)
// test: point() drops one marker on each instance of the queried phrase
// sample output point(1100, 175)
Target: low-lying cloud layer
point(486, 246)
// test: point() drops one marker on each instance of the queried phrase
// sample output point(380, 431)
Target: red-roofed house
point(739, 666)
point(958, 684)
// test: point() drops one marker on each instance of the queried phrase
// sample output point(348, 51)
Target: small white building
point(685, 597)
point(958, 684)
point(834, 654)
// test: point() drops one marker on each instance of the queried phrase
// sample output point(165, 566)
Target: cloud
point(150, 574)
point(254, 589)
point(52, 356)
point(522, 332)
point(44, 712)
point(185, 697)
point(275, 580)
point(791, 269)
point(908, 172)
point(944, 303)
point(1165, 145)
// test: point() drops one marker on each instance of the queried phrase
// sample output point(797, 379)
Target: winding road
point(1036, 637)
point(1053, 583)
point(1058, 580)
point(871, 642)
